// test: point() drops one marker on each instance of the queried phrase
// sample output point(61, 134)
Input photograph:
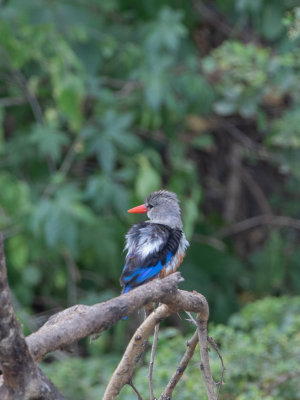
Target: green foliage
point(244, 70)
point(260, 347)
point(292, 20)
point(103, 102)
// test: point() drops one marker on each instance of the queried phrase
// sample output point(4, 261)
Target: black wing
point(150, 247)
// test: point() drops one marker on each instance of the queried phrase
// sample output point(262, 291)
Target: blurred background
point(103, 102)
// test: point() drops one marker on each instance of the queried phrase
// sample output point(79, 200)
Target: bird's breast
point(172, 265)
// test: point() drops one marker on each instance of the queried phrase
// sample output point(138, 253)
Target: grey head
point(163, 208)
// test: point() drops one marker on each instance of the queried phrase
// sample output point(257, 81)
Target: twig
point(191, 346)
point(73, 275)
point(181, 300)
point(32, 99)
point(233, 186)
point(152, 357)
point(256, 192)
point(36, 109)
point(201, 324)
point(130, 383)
point(204, 349)
point(243, 139)
point(64, 167)
point(265, 219)
point(215, 347)
point(210, 241)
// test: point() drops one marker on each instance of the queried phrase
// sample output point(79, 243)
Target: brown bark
point(22, 378)
point(80, 321)
point(181, 300)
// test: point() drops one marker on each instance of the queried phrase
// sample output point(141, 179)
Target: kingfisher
point(156, 247)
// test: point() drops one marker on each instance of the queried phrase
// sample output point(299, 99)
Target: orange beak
point(138, 210)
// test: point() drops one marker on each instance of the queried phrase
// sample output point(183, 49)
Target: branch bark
point(181, 300)
point(22, 378)
point(204, 349)
point(191, 346)
point(80, 321)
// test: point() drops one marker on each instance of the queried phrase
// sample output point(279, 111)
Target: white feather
point(172, 264)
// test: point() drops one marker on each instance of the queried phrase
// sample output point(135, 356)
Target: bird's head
point(161, 207)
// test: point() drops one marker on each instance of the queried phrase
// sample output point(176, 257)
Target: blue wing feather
point(148, 273)
point(141, 275)
point(150, 247)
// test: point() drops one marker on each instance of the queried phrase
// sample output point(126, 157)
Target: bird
point(156, 247)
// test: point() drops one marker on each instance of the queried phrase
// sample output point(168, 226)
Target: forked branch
point(23, 379)
point(181, 300)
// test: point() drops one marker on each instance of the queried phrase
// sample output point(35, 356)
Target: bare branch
point(31, 98)
point(152, 357)
point(191, 345)
point(215, 347)
point(130, 383)
point(204, 349)
point(264, 219)
point(257, 193)
point(80, 321)
point(210, 241)
point(181, 300)
point(233, 186)
point(123, 373)
point(22, 378)
point(201, 324)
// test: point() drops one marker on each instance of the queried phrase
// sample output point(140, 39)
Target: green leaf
point(286, 130)
point(18, 248)
point(60, 219)
point(69, 102)
point(147, 180)
point(49, 140)
point(166, 31)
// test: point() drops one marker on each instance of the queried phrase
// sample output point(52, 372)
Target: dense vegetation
point(103, 102)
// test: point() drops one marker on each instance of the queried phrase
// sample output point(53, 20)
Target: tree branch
point(191, 345)
point(152, 357)
point(22, 378)
point(80, 321)
point(123, 373)
point(181, 300)
point(264, 219)
point(204, 349)
point(215, 347)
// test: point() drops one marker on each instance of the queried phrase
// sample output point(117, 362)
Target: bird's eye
point(149, 206)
